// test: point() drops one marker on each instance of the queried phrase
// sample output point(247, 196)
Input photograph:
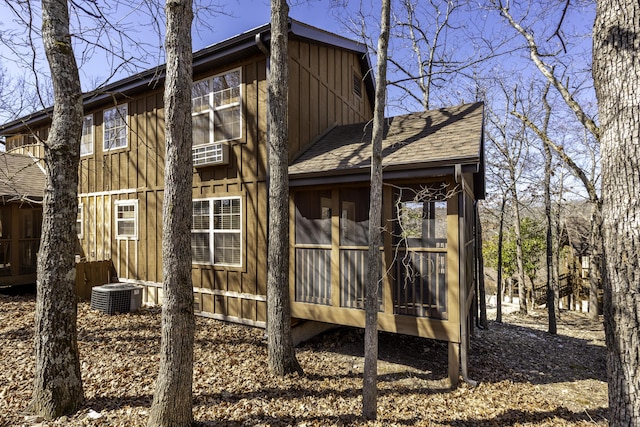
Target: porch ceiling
point(20, 177)
point(417, 142)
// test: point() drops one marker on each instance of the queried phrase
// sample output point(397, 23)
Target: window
point(216, 231)
point(216, 109)
point(126, 219)
point(86, 143)
point(115, 127)
point(357, 85)
point(79, 217)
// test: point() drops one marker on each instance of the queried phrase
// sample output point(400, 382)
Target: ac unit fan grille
point(116, 298)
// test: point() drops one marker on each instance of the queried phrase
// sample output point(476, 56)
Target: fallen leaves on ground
point(526, 377)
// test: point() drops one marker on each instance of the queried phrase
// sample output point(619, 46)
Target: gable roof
point(20, 177)
point(251, 42)
point(422, 144)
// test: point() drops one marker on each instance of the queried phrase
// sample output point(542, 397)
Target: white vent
point(116, 298)
point(210, 154)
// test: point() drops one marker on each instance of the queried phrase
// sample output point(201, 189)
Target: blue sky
point(241, 15)
point(137, 20)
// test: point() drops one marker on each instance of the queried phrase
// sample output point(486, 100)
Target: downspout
point(462, 255)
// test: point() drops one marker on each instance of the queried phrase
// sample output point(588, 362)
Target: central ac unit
point(210, 154)
point(116, 298)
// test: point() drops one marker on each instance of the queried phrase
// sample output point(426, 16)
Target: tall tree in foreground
point(172, 400)
point(57, 383)
point(371, 305)
point(282, 356)
point(616, 47)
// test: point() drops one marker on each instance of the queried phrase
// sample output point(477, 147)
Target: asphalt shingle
point(444, 136)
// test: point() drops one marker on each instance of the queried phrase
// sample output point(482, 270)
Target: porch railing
point(313, 275)
point(420, 288)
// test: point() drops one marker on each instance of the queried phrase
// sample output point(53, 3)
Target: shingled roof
point(418, 144)
point(20, 178)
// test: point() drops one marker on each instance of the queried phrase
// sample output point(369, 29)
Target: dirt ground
point(526, 377)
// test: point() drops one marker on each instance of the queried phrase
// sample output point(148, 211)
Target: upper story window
point(126, 219)
point(86, 143)
point(216, 108)
point(115, 127)
point(216, 231)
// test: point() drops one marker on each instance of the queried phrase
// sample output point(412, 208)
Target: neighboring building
point(434, 172)
point(22, 183)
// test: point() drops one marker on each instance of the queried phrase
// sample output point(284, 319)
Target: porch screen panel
point(313, 247)
point(354, 246)
point(420, 237)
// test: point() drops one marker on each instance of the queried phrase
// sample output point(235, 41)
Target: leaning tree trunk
point(616, 71)
point(370, 375)
point(282, 356)
point(172, 400)
point(57, 382)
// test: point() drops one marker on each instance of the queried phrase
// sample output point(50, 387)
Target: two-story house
point(433, 172)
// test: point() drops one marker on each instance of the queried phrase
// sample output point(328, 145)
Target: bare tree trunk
point(370, 375)
point(616, 43)
point(480, 267)
point(522, 299)
point(172, 400)
point(282, 356)
point(551, 285)
point(595, 260)
point(57, 382)
point(556, 252)
point(500, 240)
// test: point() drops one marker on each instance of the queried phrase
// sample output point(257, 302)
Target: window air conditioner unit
point(116, 298)
point(211, 154)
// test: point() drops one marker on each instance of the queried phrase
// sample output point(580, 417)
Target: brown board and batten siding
point(134, 173)
point(322, 92)
point(239, 293)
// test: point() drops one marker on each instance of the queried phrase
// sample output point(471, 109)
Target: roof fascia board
point(363, 175)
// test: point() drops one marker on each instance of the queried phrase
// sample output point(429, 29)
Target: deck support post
point(454, 364)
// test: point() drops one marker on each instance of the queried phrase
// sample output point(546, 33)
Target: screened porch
point(433, 171)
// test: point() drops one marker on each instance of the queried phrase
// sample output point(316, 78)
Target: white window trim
point(211, 111)
point(92, 136)
point(104, 129)
point(212, 232)
point(126, 202)
point(80, 220)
